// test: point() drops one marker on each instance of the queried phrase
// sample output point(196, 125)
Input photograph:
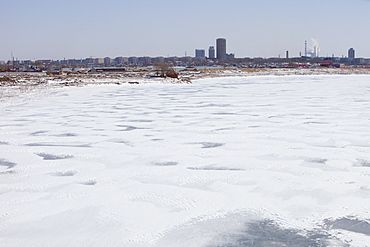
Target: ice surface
point(353, 225)
point(237, 161)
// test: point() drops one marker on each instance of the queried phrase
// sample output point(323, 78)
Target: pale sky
point(48, 29)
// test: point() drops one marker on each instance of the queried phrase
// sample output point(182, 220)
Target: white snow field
point(238, 161)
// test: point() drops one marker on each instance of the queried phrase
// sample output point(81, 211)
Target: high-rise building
point(221, 48)
point(351, 53)
point(211, 52)
point(200, 53)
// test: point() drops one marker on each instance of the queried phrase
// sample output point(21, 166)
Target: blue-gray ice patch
point(41, 144)
point(67, 135)
point(317, 160)
point(38, 133)
point(215, 168)
point(141, 121)
point(266, 233)
point(362, 162)
point(166, 163)
point(127, 127)
point(89, 182)
point(46, 156)
point(9, 164)
point(349, 224)
point(64, 174)
point(211, 144)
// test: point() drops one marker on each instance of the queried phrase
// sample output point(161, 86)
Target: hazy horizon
point(43, 29)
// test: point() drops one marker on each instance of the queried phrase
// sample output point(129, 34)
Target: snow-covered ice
point(237, 161)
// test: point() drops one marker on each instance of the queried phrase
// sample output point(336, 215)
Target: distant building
point(107, 61)
point(221, 48)
point(98, 61)
point(88, 61)
point(25, 62)
point(211, 52)
point(74, 62)
point(230, 56)
point(200, 53)
point(186, 59)
point(171, 60)
point(133, 60)
point(120, 60)
point(144, 60)
point(45, 62)
point(351, 53)
point(158, 60)
point(358, 61)
point(344, 60)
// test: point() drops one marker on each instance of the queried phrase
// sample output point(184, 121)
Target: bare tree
point(165, 70)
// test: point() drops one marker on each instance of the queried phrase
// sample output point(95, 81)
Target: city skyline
point(55, 30)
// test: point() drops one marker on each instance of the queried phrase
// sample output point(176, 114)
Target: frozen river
point(253, 161)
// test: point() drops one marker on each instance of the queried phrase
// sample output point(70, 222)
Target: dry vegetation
point(18, 83)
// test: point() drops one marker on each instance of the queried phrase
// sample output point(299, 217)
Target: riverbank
point(16, 84)
point(144, 75)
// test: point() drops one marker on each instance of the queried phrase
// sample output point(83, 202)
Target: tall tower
point(351, 53)
point(221, 48)
point(305, 48)
point(211, 52)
